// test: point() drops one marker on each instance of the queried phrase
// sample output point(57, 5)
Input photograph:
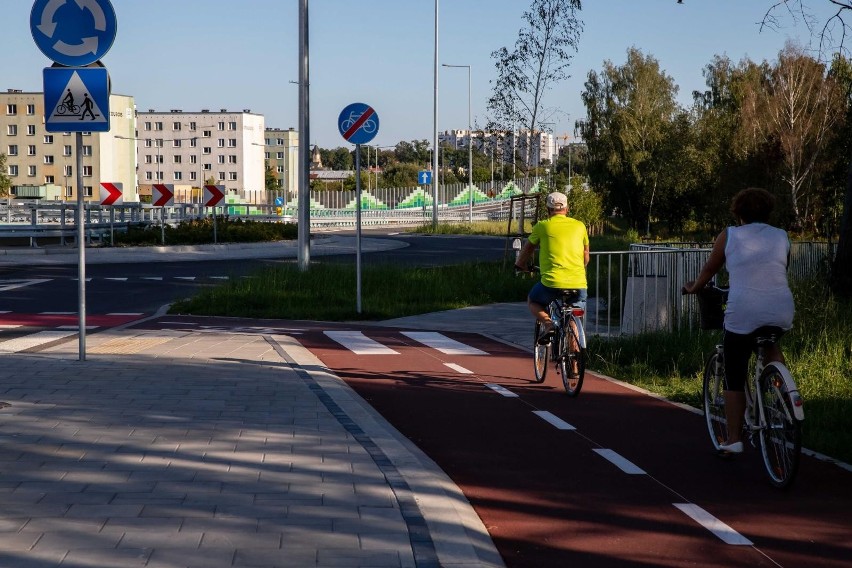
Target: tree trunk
point(841, 273)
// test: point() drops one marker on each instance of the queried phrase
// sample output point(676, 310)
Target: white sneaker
point(735, 448)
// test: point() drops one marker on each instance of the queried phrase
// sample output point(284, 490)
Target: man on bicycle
point(563, 256)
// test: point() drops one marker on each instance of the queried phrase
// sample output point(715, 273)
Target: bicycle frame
point(790, 389)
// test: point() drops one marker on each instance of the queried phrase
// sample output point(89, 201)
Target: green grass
point(492, 228)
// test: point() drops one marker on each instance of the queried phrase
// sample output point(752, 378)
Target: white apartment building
point(190, 149)
point(504, 144)
point(282, 154)
point(42, 165)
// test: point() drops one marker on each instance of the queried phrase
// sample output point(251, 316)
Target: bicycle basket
point(711, 306)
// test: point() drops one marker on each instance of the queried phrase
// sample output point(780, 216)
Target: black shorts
point(738, 350)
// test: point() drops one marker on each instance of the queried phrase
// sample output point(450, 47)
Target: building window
point(267, 155)
point(207, 150)
point(69, 171)
point(208, 167)
point(48, 160)
point(176, 126)
point(280, 155)
point(177, 159)
point(87, 171)
point(193, 142)
point(178, 176)
point(193, 159)
point(149, 176)
point(176, 143)
point(192, 176)
point(48, 179)
point(280, 141)
point(221, 142)
point(232, 159)
point(221, 176)
point(13, 170)
point(158, 142)
point(220, 159)
point(30, 110)
point(158, 126)
point(159, 158)
point(192, 126)
point(147, 126)
point(11, 110)
point(87, 150)
point(232, 126)
point(207, 133)
point(31, 150)
point(69, 192)
point(87, 190)
point(31, 171)
point(12, 130)
point(66, 151)
point(48, 138)
point(148, 143)
point(159, 176)
point(13, 149)
point(232, 176)
point(31, 130)
point(148, 159)
point(280, 169)
point(221, 126)
point(232, 143)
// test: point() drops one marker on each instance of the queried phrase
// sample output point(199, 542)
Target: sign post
point(76, 97)
point(358, 123)
point(162, 195)
point(213, 194)
point(111, 194)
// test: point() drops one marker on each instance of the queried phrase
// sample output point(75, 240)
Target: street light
point(469, 143)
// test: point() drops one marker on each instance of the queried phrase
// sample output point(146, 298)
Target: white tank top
point(756, 258)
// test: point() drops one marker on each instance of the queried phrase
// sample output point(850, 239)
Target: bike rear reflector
point(579, 312)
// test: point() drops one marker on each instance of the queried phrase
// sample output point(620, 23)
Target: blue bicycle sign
point(358, 123)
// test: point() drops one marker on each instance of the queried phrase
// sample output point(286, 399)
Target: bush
point(200, 231)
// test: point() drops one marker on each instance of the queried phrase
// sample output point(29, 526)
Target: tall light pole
point(435, 180)
point(469, 145)
point(304, 199)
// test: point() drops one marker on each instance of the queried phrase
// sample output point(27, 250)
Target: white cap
point(557, 200)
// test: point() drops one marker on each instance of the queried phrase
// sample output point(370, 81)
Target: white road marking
point(76, 327)
point(553, 420)
point(359, 343)
point(620, 462)
point(57, 313)
point(501, 390)
point(459, 369)
point(442, 343)
point(5, 311)
point(10, 326)
point(125, 314)
point(184, 277)
point(157, 278)
point(117, 279)
point(33, 340)
point(12, 284)
point(220, 277)
point(712, 524)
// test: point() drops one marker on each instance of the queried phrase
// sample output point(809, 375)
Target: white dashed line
point(500, 390)
point(459, 369)
point(75, 327)
point(157, 278)
point(359, 343)
point(32, 340)
point(620, 462)
point(442, 343)
point(125, 314)
point(553, 420)
point(714, 525)
point(117, 279)
point(57, 313)
point(184, 277)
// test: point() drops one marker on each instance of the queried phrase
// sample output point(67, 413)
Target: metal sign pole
point(81, 251)
point(358, 227)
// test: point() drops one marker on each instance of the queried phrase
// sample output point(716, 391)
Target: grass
point(492, 228)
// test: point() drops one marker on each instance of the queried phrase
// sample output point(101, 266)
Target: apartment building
point(42, 165)
point(505, 144)
point(190, 149)
point(282, 154)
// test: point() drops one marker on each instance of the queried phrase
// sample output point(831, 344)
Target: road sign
point(358, 123)
point(162, 194)
point(213, 194)
point(76, 99)
point(424, 177)
point(279, 201)
point(112, 193)
point(73, 32)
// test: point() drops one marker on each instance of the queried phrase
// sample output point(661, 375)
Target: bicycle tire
point(541, 355)
point(713, 391)
point(781, 438)
point(572, 363)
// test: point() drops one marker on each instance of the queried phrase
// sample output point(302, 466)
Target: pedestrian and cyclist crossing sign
point(76, 99)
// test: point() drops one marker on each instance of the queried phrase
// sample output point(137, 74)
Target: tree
point(5, 180)
point(271, 182)
point(832, 37)
point(540, 59)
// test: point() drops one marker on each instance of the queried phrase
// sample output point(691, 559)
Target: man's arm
point(524, 258)
point(586, 255)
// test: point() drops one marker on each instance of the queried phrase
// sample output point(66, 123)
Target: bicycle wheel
point(781, 438)
point(714, 402)
point(572, 360)
point(541, 355)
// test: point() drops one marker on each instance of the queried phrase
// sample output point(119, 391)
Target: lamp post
point(469, 144)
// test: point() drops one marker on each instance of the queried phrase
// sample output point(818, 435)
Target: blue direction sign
point(424, 177)
point(73, 32)
point(358, 123)
point(279, 201)
point(76, 99)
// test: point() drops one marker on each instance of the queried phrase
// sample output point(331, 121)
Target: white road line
point(500, 390)
point(459, 369)
point(359, 343)
point(442, 343)
point(56, 313)
point(125, 314)
point(5, 311)
point(184, 277)
point(10, 326)
point(76, 327)
point(157, 278)
point(220, 277)
point(32, 340)
point(620, 462)
point(12, 284)
point(553, 420)
point(712, 524)
point(117, 279)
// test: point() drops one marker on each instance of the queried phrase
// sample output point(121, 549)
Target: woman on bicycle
point(756, 255)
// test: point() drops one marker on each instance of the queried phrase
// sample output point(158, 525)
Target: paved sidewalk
point(173, 449)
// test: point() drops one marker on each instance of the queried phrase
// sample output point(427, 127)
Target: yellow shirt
point(561, 241)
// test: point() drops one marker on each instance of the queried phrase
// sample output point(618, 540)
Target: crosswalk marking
point(459, 369)
point(620, 462)
point(33, 340)
point(712, 524)
point(442, 343)
point(359, 343)
point(553, 420)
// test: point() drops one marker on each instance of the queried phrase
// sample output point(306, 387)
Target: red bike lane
point(609, 478)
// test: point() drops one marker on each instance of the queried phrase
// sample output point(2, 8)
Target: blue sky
point(194, 54)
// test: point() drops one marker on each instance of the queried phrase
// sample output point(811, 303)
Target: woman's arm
point(711, 267)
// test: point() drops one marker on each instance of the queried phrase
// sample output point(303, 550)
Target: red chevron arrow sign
point(112, 193)
point(213, 194)
point(162, 194)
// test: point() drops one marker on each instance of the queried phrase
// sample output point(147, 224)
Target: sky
point(213, 54)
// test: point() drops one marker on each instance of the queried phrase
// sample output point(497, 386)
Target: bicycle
point(774, 407)
point(369, 125)
point(567, 348)
point(65, 107)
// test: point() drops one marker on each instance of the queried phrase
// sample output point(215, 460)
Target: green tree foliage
point(5, 180)
point(416, 151)
point(540, 59)
point(271, 180)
